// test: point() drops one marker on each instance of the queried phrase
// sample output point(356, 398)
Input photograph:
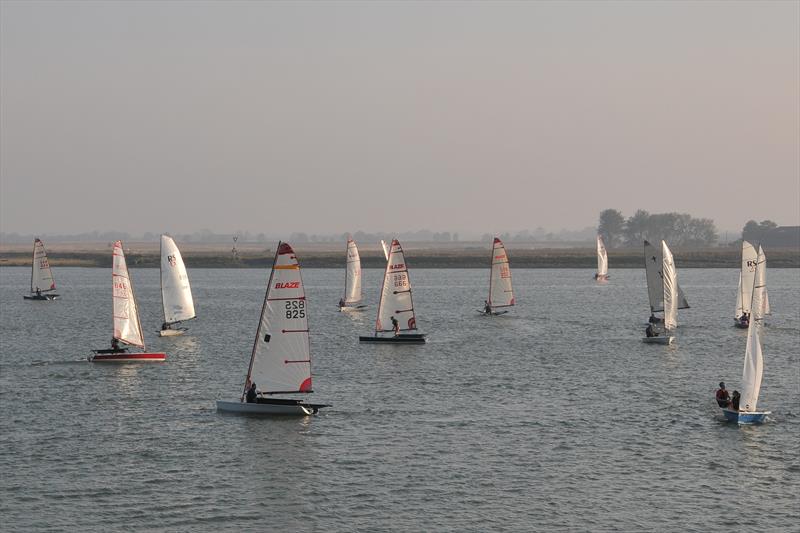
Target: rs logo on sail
point(288, 285)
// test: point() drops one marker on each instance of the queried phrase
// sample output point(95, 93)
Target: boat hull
point(403, 338)
point(125, 357)
point(740, 325)
point(662, 339)
point(171, 332)
point(492, 313)
point(275, 406)
point(746, 418)
point(351, 308)
point(41, 296)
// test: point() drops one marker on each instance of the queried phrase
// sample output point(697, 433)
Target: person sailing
point(723, 398)
point(651, 331)
point(487, 308)
point(395, 326)
point(252, 395)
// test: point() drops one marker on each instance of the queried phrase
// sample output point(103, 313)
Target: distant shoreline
point(423, 257)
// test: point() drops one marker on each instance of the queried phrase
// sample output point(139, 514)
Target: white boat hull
point(171, 332)
point(278, 407)
point(663, 339)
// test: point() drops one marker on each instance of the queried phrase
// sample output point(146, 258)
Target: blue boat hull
point(754, 417)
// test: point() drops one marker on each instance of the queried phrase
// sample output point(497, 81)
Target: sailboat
point(42, 282)
point(280, 362)
point(127, 326)
point(669, 299)
point(741, 317)
point(653, 264)
point(396, 305)
point(753, 371)
point(500, 291)
point(351, 301)
point(602, 261)
point(176, 294)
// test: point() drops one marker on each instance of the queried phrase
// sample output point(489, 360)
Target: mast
point(33, 264)
point(258, 329)
point(346, 268)
point(491, 274)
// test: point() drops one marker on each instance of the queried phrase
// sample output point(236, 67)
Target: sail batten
point(396, 303)
point(176, 294)
point(281, 358)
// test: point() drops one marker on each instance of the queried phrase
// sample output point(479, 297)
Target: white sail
point(127, 327)
point(41, 275)
point(653, 262)
point(385, 249)
point(281, 359)
point(396, 298)
point(352, 281)
point(670, 277)
point(746, 277)
point(753, 370)
point(602, 258)
point(176, 294)
point(500, 292)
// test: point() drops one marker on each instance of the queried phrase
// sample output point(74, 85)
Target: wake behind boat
point(500, 292)
point(176, 294)
point(280, 362)
point(396, 307)
point(127, 326)
point(743, 409)
point(42, 283)
point(351, 301)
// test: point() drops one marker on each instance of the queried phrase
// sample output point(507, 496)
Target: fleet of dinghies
point(176, 294)
point(43, 285)
point(280, 361)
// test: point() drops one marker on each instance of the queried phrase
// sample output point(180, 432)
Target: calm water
point(554, 417)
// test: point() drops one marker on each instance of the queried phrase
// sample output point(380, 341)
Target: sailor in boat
point(252, 395)
point(735, 400)
point(341, 303)
point(487, 308)
point(654, 319)
point(395, 326)
point(723, 398)
point(744, 320)
point(651, 331)
point(38, 292)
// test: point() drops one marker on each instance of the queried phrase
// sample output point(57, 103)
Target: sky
point(329, 117)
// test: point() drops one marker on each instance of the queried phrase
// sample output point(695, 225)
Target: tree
point(754, 232)
point(611, 227)
point(636, 228)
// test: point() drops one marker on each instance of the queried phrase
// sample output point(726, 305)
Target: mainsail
point(653, 262)
point(127, 327)
point(176, 294)
point(746, 277)
point(500, 292)
point(396, 298)
point(352, 280)
point(670, 277)
point(41, 275)
point(281, 358)
point(602, 258)
point(753, 370)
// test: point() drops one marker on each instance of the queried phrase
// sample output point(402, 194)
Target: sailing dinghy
point(602, 261)
point(176, 294)
point(280, 362)
point(351, 301)
point(500, 292)
point(396, 305)
point(127, 326)
point(741, 317)
point(670, 296)
point(653, 266)
point(42, 282)
point(752, 373)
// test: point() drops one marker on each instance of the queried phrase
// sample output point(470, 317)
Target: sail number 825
point(295, 309)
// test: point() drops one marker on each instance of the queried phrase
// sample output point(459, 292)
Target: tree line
point(678, 229)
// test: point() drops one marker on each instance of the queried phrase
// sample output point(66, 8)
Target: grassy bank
point(421, 257)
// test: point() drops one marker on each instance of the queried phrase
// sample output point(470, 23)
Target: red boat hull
point(129, 358)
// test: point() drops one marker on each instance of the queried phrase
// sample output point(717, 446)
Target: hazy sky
point(328, 117)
